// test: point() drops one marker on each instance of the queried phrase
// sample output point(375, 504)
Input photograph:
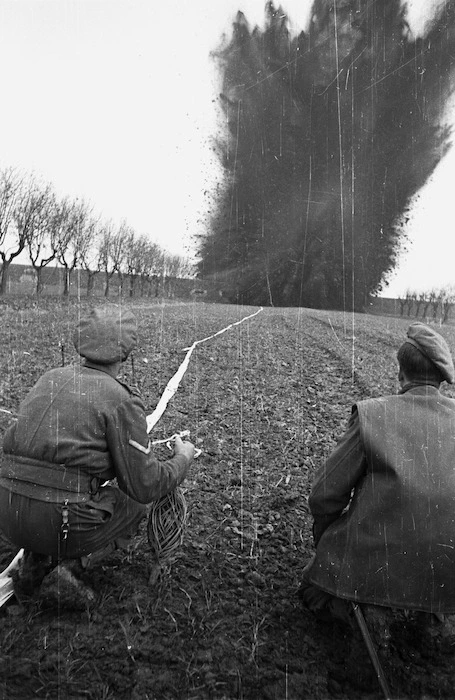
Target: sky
point(115, 101)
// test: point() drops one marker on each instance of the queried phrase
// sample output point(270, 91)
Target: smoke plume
point(329, 135)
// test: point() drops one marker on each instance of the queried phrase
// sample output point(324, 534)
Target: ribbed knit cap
point(106, 335)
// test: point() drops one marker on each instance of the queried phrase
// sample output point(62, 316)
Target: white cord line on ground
point(223, 330)
point(6, 583)
point(174, 382)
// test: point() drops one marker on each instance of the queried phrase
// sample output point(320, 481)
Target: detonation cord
point(174, 382)
point(167, 517)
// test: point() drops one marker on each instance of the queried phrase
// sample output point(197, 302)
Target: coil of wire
point(166, 525)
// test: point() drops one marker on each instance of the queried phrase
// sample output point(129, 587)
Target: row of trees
point(434, 303)
point(325, 139)
point(49, 228)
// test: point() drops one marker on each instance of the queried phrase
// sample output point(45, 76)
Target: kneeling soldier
point(384, 501)
point(78, 428)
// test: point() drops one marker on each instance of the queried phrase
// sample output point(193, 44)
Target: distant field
point(265, 402)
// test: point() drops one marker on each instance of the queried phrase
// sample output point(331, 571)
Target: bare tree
point(72, 236)
point(106, 234)
point(427, 303)
point(175, 267)
point(402, 303)
point(410, 298)
point(33, 216)
point(141, 244)
point(90, 259)
point(119, 251)
point(419, 300)
point(127, 256)
point(152, 265)
point(112, 252)
point(141, 257)
point(440, 301)
point(447, 298)
point(12, 243)
point(435, 301)
point(178, 266)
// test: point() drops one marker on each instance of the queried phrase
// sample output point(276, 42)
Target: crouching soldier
point(78, 428)
point(384, 501)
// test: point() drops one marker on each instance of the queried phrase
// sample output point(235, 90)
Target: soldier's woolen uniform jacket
point(395, 543)
point(77, 428)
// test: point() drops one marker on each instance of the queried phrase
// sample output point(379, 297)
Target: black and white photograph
point(227, 341)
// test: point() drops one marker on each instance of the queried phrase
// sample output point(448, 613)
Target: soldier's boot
point(325, 606)
point(28, 576)
point(436, 627)
point(89, 560)
point(62, 588)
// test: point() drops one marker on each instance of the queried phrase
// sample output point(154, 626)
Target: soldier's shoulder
point(376, 400)
point(131, 390)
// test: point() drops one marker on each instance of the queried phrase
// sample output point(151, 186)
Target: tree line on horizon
point(328, 136)
point(431, 304)
point(65, 230)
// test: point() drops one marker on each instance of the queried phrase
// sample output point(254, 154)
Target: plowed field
point(265, 402)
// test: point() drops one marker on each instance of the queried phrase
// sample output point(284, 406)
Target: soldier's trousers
point(36, 525)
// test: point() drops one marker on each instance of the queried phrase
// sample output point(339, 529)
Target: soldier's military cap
point(106, 335)
point(433, 346)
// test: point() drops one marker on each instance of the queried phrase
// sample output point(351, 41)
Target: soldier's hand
point(185, 448)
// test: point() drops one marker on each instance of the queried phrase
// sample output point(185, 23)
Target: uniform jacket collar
point(421, 388)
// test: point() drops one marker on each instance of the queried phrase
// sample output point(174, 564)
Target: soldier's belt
point(46, 481)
